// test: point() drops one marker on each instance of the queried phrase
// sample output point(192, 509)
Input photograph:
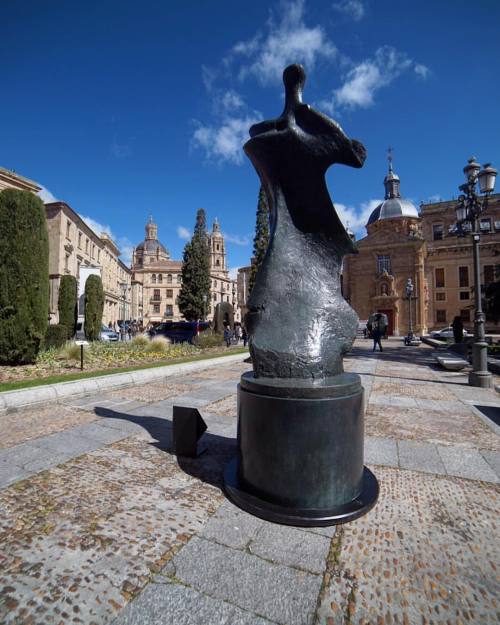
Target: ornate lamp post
point(470, 205)
point(123, 286)
point(409, 293)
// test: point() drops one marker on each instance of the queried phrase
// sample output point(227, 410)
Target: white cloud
point(236, 239)
point(183, 233)
point(223, 141)
point(46, 196)
point(421, 70)
point(98, 228)
point(233, 273)
point(354, 9)
point(126, 248)
point(288, 41)
point(356, 218)
point(366, 78)
point(120, 150)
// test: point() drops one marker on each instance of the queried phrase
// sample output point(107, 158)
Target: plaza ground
point(100, 523)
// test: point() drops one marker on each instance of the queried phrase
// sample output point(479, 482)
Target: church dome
point(393, 205)
point(151, 245)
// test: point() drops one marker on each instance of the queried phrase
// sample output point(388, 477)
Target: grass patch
point(81, 375)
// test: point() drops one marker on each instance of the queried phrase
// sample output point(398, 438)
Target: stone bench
point(436, 343)
point(451, 363)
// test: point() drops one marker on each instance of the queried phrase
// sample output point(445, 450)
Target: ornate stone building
point(402, 244)
point(161, 277)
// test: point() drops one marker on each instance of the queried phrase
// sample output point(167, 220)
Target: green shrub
point(208, 339)
point(56, 336)
point(94, 305)
point(73, 351)
point(67, 305)
point(24, 276)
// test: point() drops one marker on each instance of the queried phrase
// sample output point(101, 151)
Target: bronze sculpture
point(300, 417)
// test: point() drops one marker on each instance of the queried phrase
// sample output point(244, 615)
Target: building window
point(217, 262)
point(440, 297)
point(160, 278)
point(169, 310)
point(153, 279)
point(86, 246)
point(179, 278)
point(80, 240)
point(485, 224)
point(156, 294)
point(463, 277)
point(170, 293)
point(383, 263)
point(465, 315)
point(437, 232)
point(489, 274)
point(441, 316)
point(68, 228)
point(169, 278)
point(464, 295)
point(217, 246)
point(215, 284)
point(215, 297)
point(66, 262)
point(439, 274)
point(156, 308)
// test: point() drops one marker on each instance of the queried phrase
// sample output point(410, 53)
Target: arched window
point(169, 278)
point(217, 262)
point(153, 278)
point(160, 278)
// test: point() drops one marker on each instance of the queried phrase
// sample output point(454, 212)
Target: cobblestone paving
point(127, 535)
point(155, 391)
point(80, 540)
point(25, 425)
point(428, 553)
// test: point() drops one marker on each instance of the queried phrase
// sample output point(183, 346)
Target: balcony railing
point(155, 299)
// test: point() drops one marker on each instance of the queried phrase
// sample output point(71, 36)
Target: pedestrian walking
point(244, 336)
point(227, 336)
point(458, 329)
point(377, 336)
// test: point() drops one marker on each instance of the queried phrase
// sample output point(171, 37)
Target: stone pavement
point(100, 523)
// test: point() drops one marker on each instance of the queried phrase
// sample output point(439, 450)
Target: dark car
point(179, 331)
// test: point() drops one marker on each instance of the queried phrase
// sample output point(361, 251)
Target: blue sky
point(123, 109)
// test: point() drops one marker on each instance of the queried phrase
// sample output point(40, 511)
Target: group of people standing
point(127, 330)
point(239, 334)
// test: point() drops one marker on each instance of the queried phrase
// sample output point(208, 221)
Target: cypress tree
point(261, 238)
point(24, 276)
point(196, 272)
point(94, 305)
point(67, 304)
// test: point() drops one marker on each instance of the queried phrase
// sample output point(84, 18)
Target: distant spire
point(389, 157)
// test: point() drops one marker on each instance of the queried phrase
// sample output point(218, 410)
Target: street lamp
point(409, 292)
point(123, 286)
point(470, 205)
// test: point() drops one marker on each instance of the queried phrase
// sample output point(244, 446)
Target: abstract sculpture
point(300, 417)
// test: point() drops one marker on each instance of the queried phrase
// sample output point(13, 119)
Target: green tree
point(24, 276)
point(196, 273)
point(94, 305)
point(261, 239)
point(67, 304)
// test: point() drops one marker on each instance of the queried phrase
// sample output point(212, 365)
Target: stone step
point(452, 363)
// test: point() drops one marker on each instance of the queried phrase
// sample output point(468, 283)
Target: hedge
point(94, 305)
point(56, 336)
point(67, 305)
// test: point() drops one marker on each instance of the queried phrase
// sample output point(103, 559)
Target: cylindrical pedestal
point(300, 451)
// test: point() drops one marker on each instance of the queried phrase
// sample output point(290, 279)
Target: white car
point(446, 333)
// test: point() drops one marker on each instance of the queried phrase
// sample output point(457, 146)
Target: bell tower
point(217, 250)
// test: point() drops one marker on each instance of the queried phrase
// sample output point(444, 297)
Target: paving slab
point(232, 527)
point(420, 457)
point(68, 443)
point(175, 604)
point(468, 463)
point(11, 473)
point(291, 546)
point(272, 591)
point(493, 459)
point(382, 451)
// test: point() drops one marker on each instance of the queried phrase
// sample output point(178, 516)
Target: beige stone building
point(11, 180)
point(73, 245)
point(401, 244)
point(161, 277)
point(243, 286)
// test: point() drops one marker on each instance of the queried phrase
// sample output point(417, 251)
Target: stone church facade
point(160, 278)
point(402, 243)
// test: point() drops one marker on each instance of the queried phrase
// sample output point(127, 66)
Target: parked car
point(446, 333)
point(106, 333)
point(179, 331)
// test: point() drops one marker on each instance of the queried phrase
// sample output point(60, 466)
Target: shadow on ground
point(215, 451)
point(492, 412)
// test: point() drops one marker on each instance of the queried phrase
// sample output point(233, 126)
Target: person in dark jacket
point(377, 333)
point(228, 336)
point(458, 329)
